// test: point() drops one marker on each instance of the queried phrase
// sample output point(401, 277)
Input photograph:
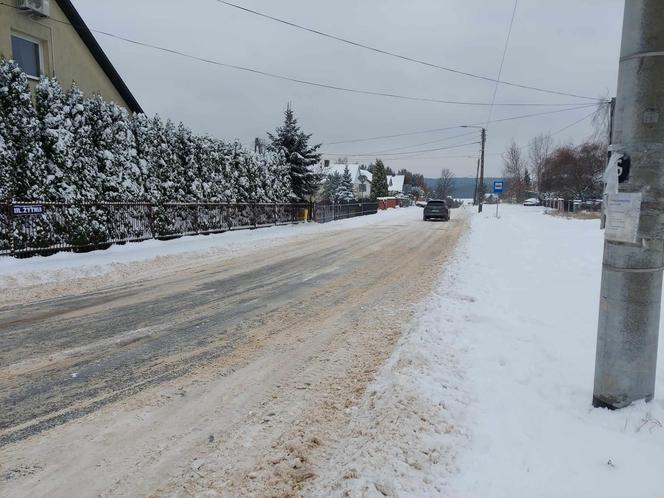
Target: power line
point(399, 56)
point(435, 158)
point(301, 81)
point(574, 123)
point(385, 151)
point(502, 63)
point(405, 153)
point(434, 130)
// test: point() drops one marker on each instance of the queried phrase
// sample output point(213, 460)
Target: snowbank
point(489, 394)
point(67, 265)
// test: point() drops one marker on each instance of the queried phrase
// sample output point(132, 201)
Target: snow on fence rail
point(46, 228)
point(29, 228)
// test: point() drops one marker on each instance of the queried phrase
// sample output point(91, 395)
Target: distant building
point(395, 184)
point(361, 178)
point(51, 39)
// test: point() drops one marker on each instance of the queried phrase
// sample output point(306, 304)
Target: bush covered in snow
point(63, 147)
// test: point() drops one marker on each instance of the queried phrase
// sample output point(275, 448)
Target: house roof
point(395, 183)
point(95, 49)
point(353, 168)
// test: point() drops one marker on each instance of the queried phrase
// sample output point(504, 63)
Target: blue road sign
point(26, 210)
point(498, 187)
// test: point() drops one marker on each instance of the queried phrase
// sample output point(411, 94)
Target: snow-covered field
point(489, 393)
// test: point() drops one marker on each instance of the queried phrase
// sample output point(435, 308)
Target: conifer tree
point(345, 190)
point(125, 162)
point(300, 156)
point(141, 130)
point(6, 160)
point(57, 139)
point(379, 182)
point(331, 186)
point(278, 170)
point(187, 169)
point(82, 173)
point(21, 136)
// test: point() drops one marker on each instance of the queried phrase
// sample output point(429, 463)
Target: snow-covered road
point(229, 370)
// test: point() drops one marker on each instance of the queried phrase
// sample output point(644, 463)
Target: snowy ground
point(489, 393)
point(68, 272)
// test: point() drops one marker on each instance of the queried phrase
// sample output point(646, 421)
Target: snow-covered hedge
point(59, 146)
point(64, 147)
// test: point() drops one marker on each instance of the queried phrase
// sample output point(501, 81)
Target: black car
point(436, 209)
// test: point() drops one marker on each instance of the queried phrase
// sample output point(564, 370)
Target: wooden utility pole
point(477, 180)
point(481, 190)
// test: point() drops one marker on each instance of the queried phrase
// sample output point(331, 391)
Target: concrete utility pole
point(631, 289)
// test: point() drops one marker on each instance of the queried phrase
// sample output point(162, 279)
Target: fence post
point(10, 226)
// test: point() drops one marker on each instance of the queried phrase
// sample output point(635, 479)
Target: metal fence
point(324, 212)
point(46, 228)
point(569, 205)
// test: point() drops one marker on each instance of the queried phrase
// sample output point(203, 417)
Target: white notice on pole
point(622, 216)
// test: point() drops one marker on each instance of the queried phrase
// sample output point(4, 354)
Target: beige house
point(49, 37)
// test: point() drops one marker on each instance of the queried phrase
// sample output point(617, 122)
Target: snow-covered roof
point(367, 174)
point(339, 168)
point(353, 168)
point(395, 183)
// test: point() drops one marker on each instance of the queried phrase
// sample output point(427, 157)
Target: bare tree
point(445, 184)
point(514, 165)
point(575, 172)
point(539, 149)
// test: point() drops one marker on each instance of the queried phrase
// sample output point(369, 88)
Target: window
point(27, 54)
point(363, 187)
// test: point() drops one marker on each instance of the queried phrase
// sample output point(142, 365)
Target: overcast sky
point(566, 45)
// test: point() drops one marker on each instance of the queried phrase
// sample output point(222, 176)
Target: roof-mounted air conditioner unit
point(38, 7)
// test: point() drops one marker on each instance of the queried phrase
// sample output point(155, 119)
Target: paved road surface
point(208, 375)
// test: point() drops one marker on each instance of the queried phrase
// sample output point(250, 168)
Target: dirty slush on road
point(208, 376)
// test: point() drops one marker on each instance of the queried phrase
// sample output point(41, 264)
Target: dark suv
point(436, 209)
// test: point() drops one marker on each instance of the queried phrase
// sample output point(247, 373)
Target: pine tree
point(345, 190)
point(21, 136)
point(294, 144)
point(331, 186)
point(379, 182)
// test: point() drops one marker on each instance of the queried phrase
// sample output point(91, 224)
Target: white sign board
point(622, 217)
